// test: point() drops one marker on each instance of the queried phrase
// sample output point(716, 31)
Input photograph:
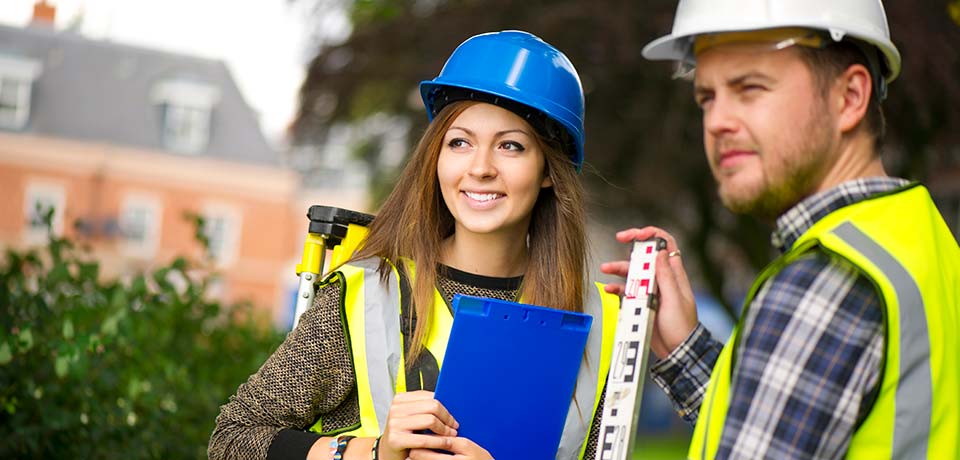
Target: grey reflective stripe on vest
point(911, 430)
point(579, 420)
point(381, 313)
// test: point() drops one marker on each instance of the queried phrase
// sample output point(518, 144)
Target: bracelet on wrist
point(375, 452)
point(338, 446)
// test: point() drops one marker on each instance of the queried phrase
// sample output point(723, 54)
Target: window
point(222, 229)
point(140, 226)
point(186, 129)
point(186, 108)
point(16, 79)
point(39, 198)
point(14, 102)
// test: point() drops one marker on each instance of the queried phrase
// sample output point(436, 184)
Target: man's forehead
point(735, 60)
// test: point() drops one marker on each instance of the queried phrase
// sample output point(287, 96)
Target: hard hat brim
point(558, 113)
point(678, 48)
point(668, 48)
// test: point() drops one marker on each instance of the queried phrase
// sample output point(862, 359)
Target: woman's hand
point(460, 449)
point(411, 412)
point(677, 314)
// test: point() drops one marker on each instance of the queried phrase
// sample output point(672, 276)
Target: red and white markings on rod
point(630, 350)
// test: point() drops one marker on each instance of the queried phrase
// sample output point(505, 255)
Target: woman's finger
point(423, 406)
point(426, 454)
point(420, 422)
point(460, 449)
point(469, 449)
point(417, 395)
point(408, 440)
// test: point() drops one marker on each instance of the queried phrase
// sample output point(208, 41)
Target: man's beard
point(795, 177)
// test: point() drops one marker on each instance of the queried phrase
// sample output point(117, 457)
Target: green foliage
point(369, 11)
point(133, 368)
point(644, 148)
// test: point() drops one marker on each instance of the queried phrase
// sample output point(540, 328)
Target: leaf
point(138, 287)
point(60, 273)
point(26, 340)
point(109, 326)
point(180, 264)
point(119, 300)
point(89, 271)
point(9, 404)
point(5, 355)
point(61, 366)
point(160, 277)
point(68, 329)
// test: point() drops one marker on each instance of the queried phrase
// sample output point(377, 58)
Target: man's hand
point(677, 314)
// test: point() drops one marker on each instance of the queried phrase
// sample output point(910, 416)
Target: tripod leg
point(308, 270)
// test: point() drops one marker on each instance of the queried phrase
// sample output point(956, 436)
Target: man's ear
point(851, 96)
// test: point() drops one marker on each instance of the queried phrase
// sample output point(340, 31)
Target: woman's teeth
point(482, 196)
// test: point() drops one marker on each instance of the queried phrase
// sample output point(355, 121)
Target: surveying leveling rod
point(621, 404)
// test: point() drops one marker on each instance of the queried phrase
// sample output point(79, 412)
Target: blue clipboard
point(509, 373)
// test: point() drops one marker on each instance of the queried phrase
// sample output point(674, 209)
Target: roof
point(101, 91)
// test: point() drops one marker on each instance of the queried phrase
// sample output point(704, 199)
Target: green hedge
point(133, 368)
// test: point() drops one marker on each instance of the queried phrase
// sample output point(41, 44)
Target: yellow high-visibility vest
point(372, 312)
point(901, 243)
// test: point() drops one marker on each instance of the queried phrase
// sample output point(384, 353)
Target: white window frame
point(48, 193)
point(187, 109)
point(225, 248)
point(17, 75)
point(151, 209)
point(185, 128)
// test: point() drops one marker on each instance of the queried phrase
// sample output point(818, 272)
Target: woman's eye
point(457, 143)
point(511, 145)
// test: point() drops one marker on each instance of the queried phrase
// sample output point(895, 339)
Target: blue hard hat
point(518, 71)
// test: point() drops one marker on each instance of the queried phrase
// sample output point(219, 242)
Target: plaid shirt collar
point(798, 219)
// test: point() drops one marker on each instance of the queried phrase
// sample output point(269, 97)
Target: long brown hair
point(414, 220)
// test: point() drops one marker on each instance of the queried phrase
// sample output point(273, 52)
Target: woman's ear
point(547, 181)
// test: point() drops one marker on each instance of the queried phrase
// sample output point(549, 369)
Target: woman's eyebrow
point(461, 129)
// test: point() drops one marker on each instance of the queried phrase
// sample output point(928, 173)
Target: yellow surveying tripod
point(340, 230)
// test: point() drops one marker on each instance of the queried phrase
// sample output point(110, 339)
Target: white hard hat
point(864, 20)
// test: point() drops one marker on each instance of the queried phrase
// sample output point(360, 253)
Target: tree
point(135, 368)
point(644, 146)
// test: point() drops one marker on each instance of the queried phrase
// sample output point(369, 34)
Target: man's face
point(767, 130)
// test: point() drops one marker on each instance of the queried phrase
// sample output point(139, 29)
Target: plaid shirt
point(810, 354)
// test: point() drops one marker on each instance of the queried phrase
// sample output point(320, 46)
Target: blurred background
point(157, 159)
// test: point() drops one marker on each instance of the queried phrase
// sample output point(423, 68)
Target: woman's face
point(491, 170)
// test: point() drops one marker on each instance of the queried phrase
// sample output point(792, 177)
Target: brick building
point(124, 141)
